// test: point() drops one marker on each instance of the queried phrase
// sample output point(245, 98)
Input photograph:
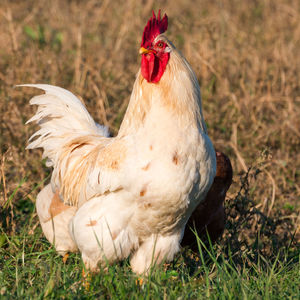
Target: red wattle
point(153, 67)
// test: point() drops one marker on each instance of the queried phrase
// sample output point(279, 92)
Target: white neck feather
point(178, 91)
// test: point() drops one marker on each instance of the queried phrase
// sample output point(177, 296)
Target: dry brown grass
point(245, 54)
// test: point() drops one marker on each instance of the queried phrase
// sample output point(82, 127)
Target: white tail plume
point(61, 117)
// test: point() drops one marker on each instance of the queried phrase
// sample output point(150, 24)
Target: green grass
point(30, 268)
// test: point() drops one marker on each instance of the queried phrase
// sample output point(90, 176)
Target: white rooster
point(131, 194)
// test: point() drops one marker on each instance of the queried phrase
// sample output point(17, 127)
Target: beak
point(145, 51)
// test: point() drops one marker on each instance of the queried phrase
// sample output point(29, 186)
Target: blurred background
point(244, 53)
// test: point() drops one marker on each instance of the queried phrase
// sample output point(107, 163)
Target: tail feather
point(61, 117)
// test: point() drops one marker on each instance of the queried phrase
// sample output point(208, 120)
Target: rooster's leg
point(153, 251)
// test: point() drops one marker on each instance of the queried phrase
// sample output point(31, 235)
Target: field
point(246, 57)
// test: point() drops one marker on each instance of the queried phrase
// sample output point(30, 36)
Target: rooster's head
point(155, 48)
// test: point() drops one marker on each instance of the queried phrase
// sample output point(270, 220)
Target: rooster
point(129, 195)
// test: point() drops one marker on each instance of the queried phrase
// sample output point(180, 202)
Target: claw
point(65, 258)
point(139, 281)
point(86, 282)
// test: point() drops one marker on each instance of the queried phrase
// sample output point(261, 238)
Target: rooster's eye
point(160, 44)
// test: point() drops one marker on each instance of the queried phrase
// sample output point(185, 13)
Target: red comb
point(154, 27)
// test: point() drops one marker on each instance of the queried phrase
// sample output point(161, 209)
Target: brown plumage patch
point(114, 235)
point(92, 223)
point(146, 167)
point(57, 206)
point(114, 165)
point(147, 205)
point(143, 192)
point(175, 158)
